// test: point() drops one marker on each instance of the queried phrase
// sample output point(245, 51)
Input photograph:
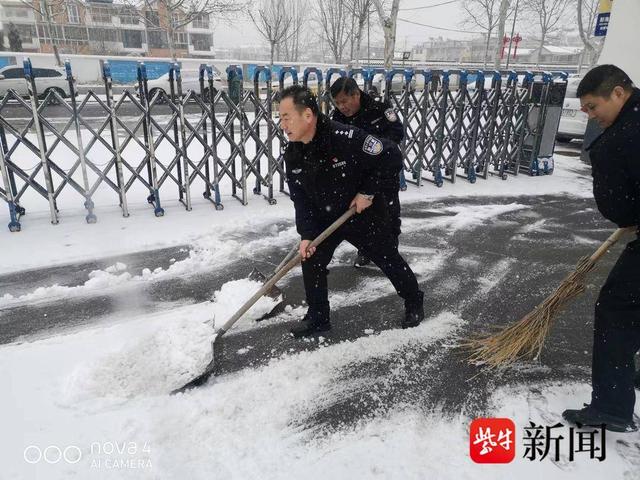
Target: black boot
point(413, 311)
point(636, 382)
point(591, 417)
point(313, 322)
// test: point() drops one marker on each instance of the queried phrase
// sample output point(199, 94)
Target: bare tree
point(483, 14)
point(291, 44)
point(587, 12)
point(274, 22)
point(334, 23)
point(174, 15)
point(359, 11)
point(389, 23)
point(48, 11)
point(548, 14)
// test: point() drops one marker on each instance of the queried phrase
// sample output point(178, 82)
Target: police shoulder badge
point(391, 115)
point(372, 145)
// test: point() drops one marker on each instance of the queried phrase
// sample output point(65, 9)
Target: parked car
point(573, 121)
point(190, 81)
point(47, 79)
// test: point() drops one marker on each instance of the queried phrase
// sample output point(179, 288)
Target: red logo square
point(492, 440)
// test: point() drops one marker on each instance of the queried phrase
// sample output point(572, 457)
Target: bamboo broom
point(525, 338)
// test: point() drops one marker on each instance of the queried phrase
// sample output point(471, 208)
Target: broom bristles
point(525, 338)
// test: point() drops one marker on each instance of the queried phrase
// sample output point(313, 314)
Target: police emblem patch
point(391, 115)
point(372, 145)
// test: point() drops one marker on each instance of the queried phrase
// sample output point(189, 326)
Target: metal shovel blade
point(212, 369)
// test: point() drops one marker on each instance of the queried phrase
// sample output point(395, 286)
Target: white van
point(573, 121)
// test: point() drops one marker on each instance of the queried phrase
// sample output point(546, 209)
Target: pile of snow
point(177, 348)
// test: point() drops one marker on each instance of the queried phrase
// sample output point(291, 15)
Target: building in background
point(473, 51)
point(103, 27)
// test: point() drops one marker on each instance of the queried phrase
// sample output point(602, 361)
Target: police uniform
point(615, 160)
point(324, 176)
point(379, 119)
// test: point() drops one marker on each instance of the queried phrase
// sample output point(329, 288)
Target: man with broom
point(608, 96)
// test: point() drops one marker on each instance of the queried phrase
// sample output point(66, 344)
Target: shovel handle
point(289, 256)
point(283, 271)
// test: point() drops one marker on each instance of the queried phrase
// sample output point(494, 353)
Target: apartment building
point(104, 27)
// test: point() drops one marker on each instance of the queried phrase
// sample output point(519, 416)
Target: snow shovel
point(217, 345)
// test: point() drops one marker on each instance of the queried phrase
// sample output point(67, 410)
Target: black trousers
point(370, 232)
point(390, 196)
point(617, 336)
point(392, 200)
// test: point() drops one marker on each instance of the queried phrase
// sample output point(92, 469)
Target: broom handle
point(609, 242)
point(283, 271)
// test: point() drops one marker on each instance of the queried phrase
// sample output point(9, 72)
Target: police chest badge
point(391, 115)
point(372, 145)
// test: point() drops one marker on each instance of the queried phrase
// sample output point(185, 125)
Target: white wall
point(622, 43)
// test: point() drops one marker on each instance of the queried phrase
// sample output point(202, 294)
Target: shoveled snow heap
point(157, 360)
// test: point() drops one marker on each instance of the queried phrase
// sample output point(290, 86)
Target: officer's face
point(348, 104)
point(298, 125)
point(604, 110)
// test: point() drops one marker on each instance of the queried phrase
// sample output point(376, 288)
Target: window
point(75, 33)
point(46, 72)
point(13, 73)
point(103, 35)
point(131, 38)
point(201, 21)
point(72, 13)
point(178, 19)
point(129, 16)
point(152, 17)
point(201, 41)
point(101, 15)
point(180, 40)
point(157, 38)
point(27, 32)
point(56, 32)
point(16, 12)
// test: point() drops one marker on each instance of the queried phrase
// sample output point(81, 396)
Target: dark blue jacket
point(327, 173)
point(376, 118)
point(615, 166)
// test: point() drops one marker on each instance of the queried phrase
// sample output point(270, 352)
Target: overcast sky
point(444, 16)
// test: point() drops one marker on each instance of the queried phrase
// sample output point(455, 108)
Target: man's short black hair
point(302, 98)
point(345, 85)
point(601, 81)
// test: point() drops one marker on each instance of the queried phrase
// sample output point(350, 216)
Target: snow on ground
point(114, 235)
point(90, 388)
point(108, 383)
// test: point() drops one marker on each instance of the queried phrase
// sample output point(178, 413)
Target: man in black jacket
point(608, 96)
point(331, 167)
point(355, 107)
